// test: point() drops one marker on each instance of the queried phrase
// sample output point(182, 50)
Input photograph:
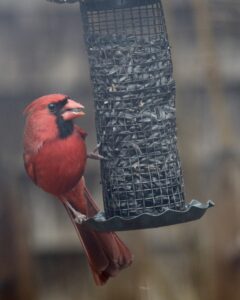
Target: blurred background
point(42, 51)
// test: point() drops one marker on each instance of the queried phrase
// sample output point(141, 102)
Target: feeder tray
point(193, 211)
point(134, 95)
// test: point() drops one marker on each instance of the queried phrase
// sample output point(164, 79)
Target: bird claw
point(79, 217)
point(96, 148)
point(94, 155)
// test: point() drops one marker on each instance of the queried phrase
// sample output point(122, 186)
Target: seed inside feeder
point(134, 95)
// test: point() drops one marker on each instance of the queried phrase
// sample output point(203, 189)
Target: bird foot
point(94, 155)
point(79, 217)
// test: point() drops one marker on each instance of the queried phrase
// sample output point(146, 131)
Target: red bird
point(55, 157)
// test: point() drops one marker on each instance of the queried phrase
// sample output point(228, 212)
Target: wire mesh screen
point(134, 94)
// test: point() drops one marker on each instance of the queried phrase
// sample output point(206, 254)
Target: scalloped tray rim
point(119, 223)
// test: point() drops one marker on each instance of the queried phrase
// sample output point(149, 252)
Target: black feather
point(65, 128)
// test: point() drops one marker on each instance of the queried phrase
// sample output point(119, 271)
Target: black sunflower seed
point(134, 94)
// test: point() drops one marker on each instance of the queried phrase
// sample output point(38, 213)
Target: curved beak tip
point(72, 110)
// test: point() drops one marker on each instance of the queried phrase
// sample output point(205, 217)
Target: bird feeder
point(134, 95)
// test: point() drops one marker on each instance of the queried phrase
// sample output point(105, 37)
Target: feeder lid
point(107, 4)
point(193, 211)
point(114, 4)
point(63, 1)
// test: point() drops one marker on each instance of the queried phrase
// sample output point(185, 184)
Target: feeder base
point(193, 211)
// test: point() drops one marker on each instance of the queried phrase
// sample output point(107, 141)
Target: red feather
point(57, 165)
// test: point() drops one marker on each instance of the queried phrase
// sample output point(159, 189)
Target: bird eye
point(51, 107)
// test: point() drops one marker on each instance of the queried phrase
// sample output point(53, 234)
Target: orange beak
point(72, 110)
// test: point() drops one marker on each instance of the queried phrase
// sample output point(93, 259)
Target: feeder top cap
point(63, 1)
point(108, 4)
point(98, 5)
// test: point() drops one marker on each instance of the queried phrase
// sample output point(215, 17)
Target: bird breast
point(59, 164)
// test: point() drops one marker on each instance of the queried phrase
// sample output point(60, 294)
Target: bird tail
point(106, 253)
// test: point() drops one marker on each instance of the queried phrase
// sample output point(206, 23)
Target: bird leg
point(79, 218)
point(94, 155)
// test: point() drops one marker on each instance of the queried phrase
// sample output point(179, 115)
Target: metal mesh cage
point(134, 94)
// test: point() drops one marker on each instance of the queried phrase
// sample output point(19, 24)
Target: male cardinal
point(55, 156)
